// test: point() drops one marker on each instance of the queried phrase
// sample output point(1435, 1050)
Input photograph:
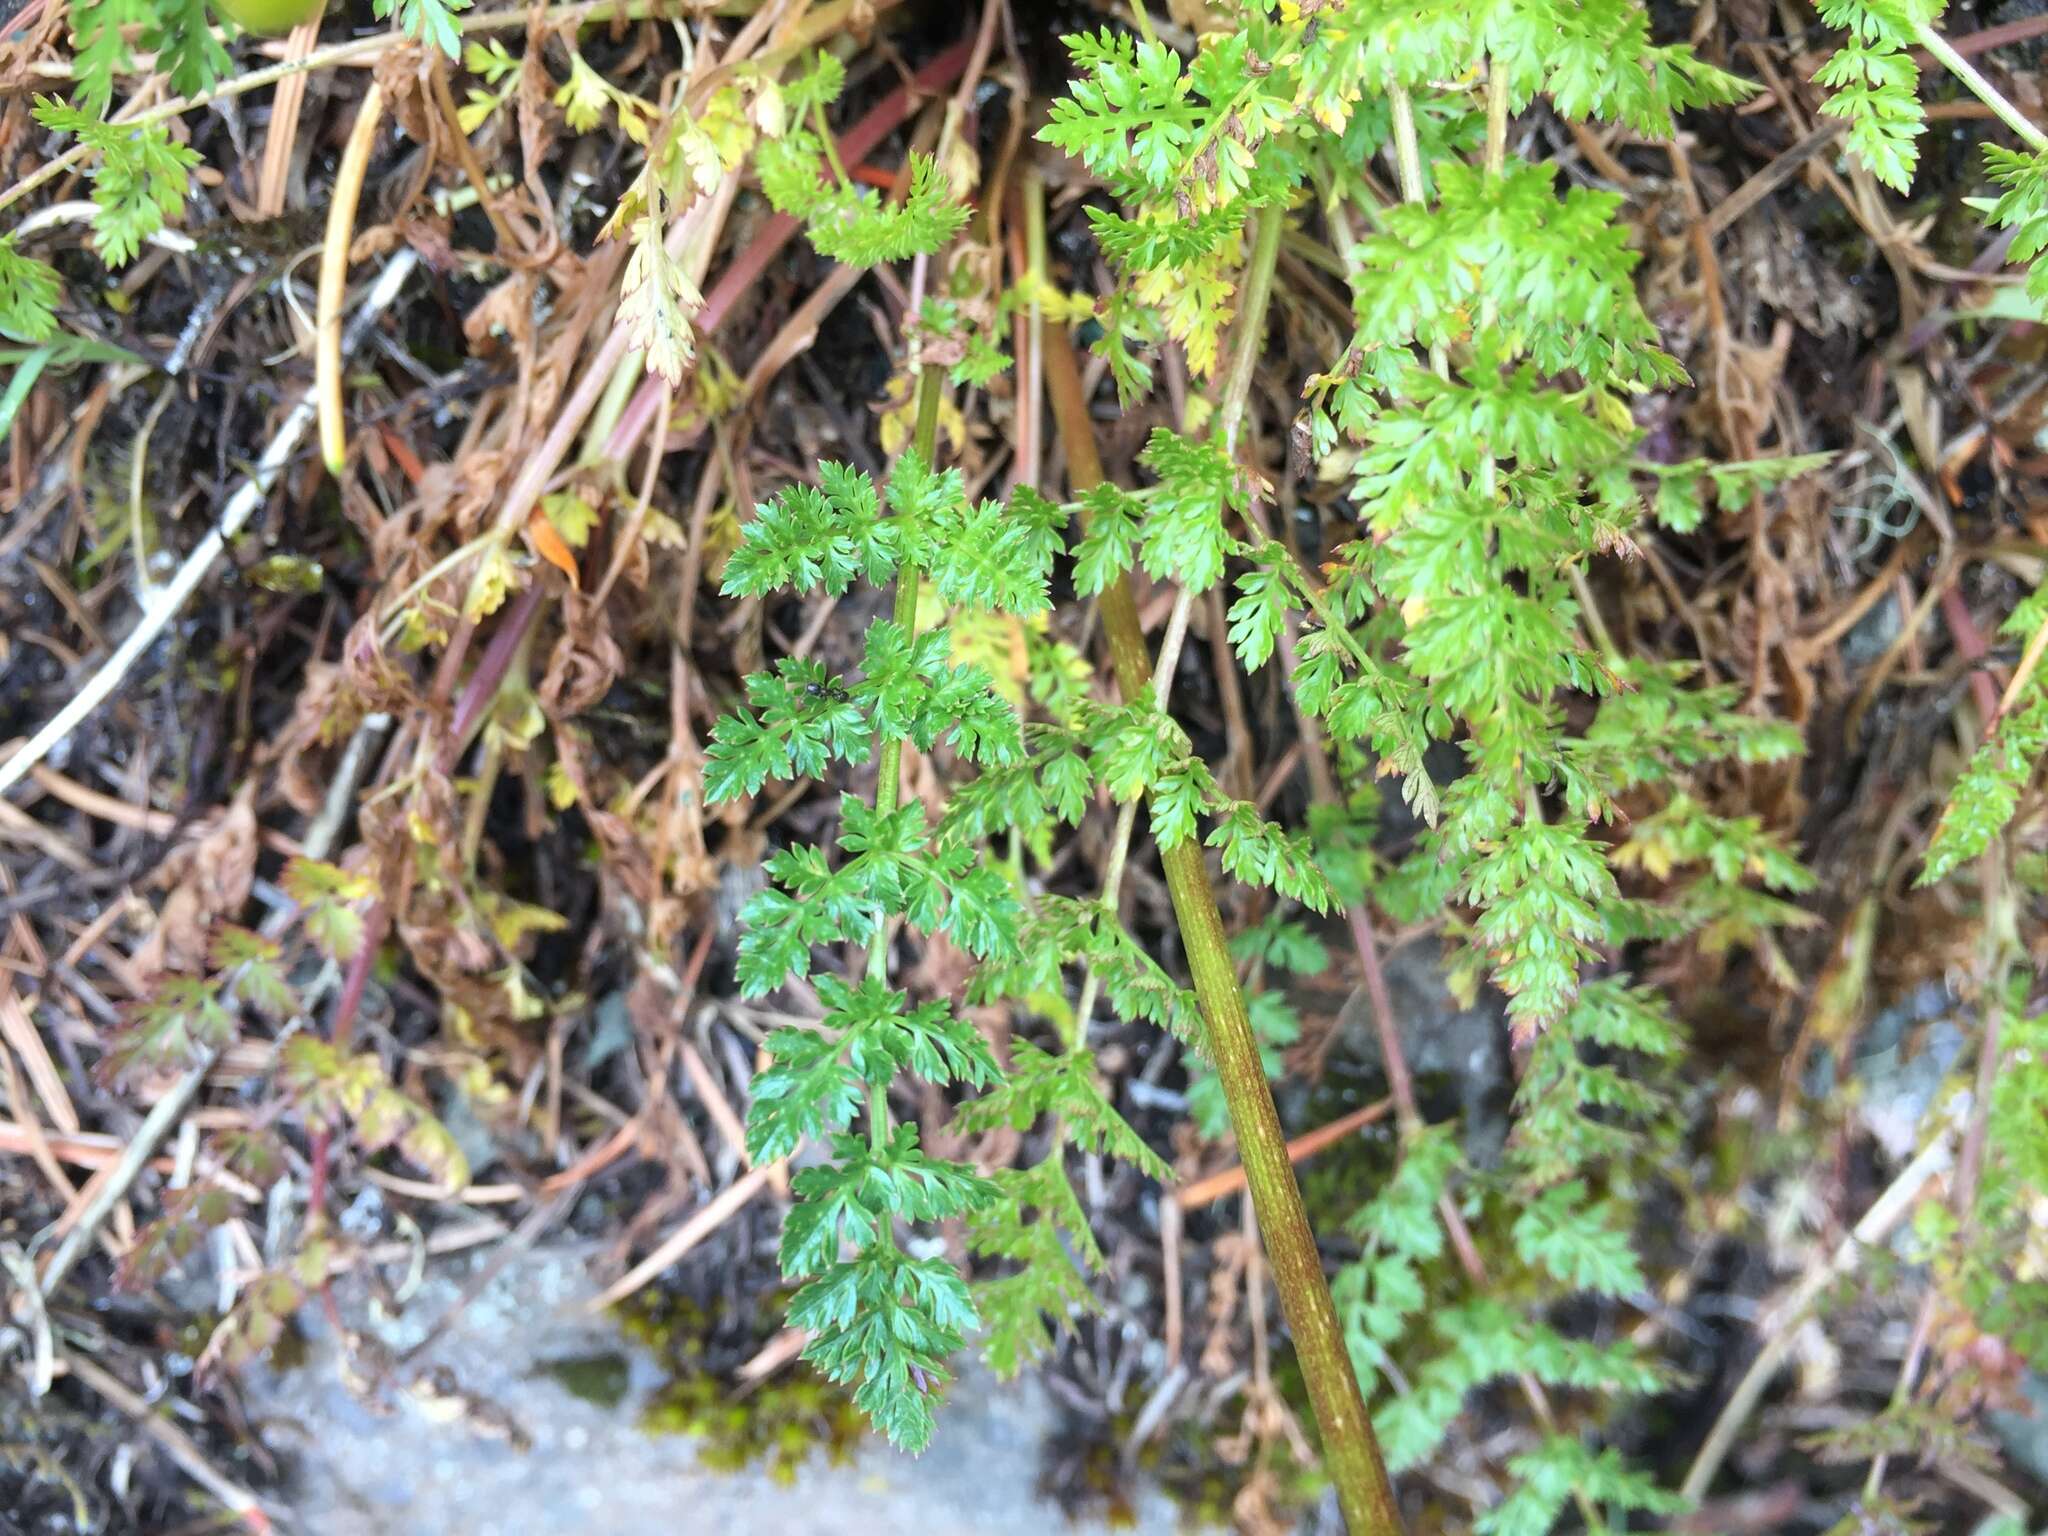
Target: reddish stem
point(1970, 641)
point(491, 668)
point(476, 697)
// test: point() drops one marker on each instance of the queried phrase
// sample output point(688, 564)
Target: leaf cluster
point(178, 32)
point(1876, 84)
point(802, 177)
point(139, 178)
point(878, 1317)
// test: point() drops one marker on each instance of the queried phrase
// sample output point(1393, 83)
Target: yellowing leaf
point(656, 300)
point(572, 515)
point(770, 110)
point(705, 146)
point(496, 576)
point(560, 787)
point(477, 110)
point(582, 96)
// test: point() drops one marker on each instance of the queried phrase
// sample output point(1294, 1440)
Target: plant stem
point(1983, 89)
point(1496, 117)
point(1408, 171)
point(1350, 1450)
point(831, 143)
point(1407, 152)
point(1258, 293)
point(931, 384)
point(1251, 340)
point(341, 222)
point(509, 244)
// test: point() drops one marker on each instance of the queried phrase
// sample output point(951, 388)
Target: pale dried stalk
point(1889, 1209)
point(341, 225)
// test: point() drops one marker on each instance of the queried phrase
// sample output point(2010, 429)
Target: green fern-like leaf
point(1987, 792)
point(29, 290)
point(139, 180)
point(2022, 208)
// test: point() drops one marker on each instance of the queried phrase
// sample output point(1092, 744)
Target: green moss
point(779, 1423)
point(601, 1379)
point(1340, 1178)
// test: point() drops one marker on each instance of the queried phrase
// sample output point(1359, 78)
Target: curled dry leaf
point(504, 317)
point(586, 661)
point(371, 679)
point(478, 476)
point(208, 876)
point(539, 118)
point(401, 70)
point(323, 715)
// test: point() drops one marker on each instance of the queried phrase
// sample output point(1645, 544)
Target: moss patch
point(779, 1423)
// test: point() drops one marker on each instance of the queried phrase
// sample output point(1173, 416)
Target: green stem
point(1350, 1450)
point(831, 143)
point(1258, 292)
point(1496, 117)
point(1407, 151)
point(611, 405)
point(931, 384)
point(1408, 171)
point(1251, 340)
point(1983, 89)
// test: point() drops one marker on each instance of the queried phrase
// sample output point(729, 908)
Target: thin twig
point(1208, 1190)
point(173, 1441)
point(707, 1220)
point(1889, 1209)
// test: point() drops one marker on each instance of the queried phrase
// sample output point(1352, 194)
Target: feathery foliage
point(879, 1318)
point(1483, 402)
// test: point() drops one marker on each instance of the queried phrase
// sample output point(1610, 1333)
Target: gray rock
point(478, 1437)
point(1901, 1066)
point(1466, 1046)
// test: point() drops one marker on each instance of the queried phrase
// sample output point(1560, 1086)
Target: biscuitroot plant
point(1484, 397)
point(877, 1316)
point(1483, 405)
